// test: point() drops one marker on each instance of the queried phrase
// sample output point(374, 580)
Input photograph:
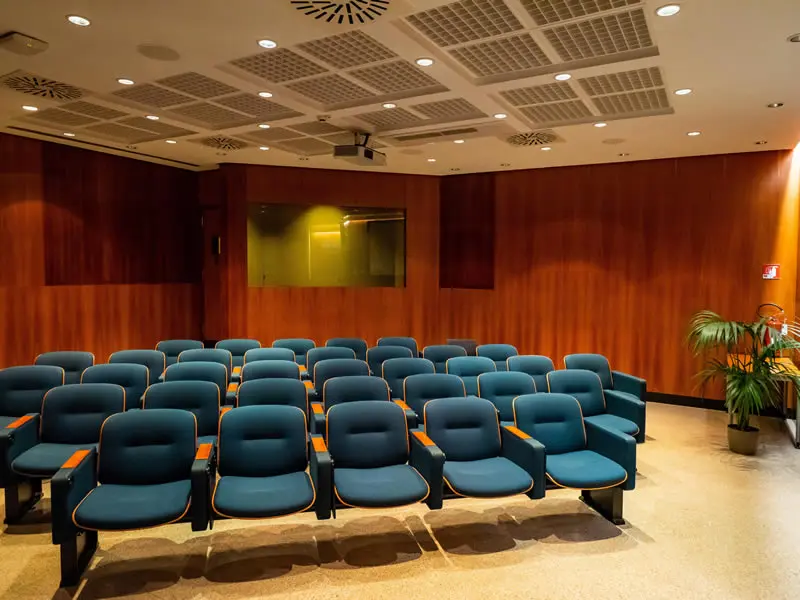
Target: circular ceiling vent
point(344, 13)
point(221, 142)
point(532, 138)
point(42, 87)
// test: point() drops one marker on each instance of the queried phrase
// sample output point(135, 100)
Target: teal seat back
point(419, 389)
point(134, 378)
point(73, 362)
point(364, 435)
point(357, 345)
point(501, 389)
point(583, 385)
point(23, 388)
point(316, 355)
point(172, 348)
point(596, 363)
point(147, 447)
point(336, 367)
point(406, 342)
point(464, 429)
point(354, 388)
point(280, 392)
point(377, 355)
point(395, 371)
point(258, 354)
point(300, 347)
point(237, 348)
point(555, 420)
point(154, 360)
point(262, 441)
point(198, 371)
point(468, 368)
point(74, 413)
point(534, 365)
point(499, 353)
point(207, 355)
point(439, 355)
point(201, 398)
point(270, 369)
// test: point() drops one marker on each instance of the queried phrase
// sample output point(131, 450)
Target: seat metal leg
point(608, 503)
point(20, 497)
point(75, 556)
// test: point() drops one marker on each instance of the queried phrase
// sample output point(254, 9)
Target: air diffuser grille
point(343, 13)
point(533, 138)
point(33, 85)
point(221, 142)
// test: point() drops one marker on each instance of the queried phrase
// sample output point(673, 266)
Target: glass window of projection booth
point(325, 246)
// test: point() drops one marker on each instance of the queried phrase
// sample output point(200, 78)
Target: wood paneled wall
point(100, 252)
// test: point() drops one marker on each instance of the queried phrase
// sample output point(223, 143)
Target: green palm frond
point(709, 330)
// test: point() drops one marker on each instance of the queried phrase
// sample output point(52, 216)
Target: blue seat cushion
point(584, 470)
point(114, 507)
point(44, 460)
point(380, 487)
point(263, 497)
point(207, 439)
point(614, 422)
point(486, 478)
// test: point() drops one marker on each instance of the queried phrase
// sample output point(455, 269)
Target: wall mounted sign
point(771, 272)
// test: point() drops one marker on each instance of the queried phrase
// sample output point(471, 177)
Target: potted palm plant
point(753, 368)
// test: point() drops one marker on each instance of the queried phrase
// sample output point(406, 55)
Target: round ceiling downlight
point(668, 10)
point(78, 20)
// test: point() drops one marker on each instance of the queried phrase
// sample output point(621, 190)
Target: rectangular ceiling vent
point(415, 137)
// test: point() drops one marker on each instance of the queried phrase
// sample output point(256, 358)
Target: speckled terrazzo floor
point(702, 523)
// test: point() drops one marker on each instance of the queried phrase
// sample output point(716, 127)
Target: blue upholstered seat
point(407, 342)
point(43, 459)
point(201, 398)
point(206, 355)
point(395, 371)
point(380, 487)
point(269, 369)
point(439, 355)
point(534, 365)
point(486, 478)
point(133, 378)
point(501, 388)
point(23, 388)
point(73, 363)
point(286, 392)
point(154, 360)
point(334, 367)
point(263, 497)
point(419, 389)
point(259, 354)
point(499, 353)
point(468, 368)
point(316, 355)
point(173, 348)
point(357, 345)
point(112, 507)
point(584, 469)
point(300, 347)
point(200, 371)
point(354, 388)
point(237, 348)
point(378, 354)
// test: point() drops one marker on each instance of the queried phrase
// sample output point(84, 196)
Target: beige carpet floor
point(702, 523)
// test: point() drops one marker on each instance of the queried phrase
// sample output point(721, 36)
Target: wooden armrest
point(237, 370)
point(517, 432)
point(402, 405)
point(232, 387)
point(19, 422)
point(319, 444)
point(225, 409)
point(203, 452)
point(423, 437)
point(302, 368)
point(76, 458)
point(317, 408)
point(308, 384)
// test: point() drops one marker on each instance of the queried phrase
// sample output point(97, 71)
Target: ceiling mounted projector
point(359, 153)
point(19, 43)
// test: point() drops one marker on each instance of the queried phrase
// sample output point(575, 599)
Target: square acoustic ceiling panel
point(510, 54)
point(398, 76)
point(347, 50)
point(546, 12)
point(465, 21)
point(278, 66)
point(330, 90)
point(640, 92)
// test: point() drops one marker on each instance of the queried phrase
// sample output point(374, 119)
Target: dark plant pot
point(743, 442)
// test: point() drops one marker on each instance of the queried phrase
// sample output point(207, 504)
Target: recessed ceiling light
point(171, 142)
point(152, 117)
point(79, 21)
point(263, 126)
point(263, 147)
point(545, 148)
point(68, 134)
point(621, 154)
point(424, 62)
point(693, 133)
point(683, 91)
point(794, 38)
point(30, 108)
point(389, 105)
point(668, 10)
point(268, 44)
point(761, 142)
point(431, 160)
point(774, 104)
point(124, 81)
point(458, 141)
point(601, 124)
point(563, 77)
point(265, 94)
point(500, 115)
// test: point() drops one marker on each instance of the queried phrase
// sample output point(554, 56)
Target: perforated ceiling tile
point(278, 65)
point(627, 81)
point(61, 117)
point(345, 138)
point(212, 116)
point(600, 36)
point(453, 110)
point(42, 87)
point(330, 89)
point(465, 21)
point(351, 49)
point(119, 133)
point(316, 128)
point(306, 146)
point(270, 135)
point(632, 102)
point(545, 12)
point(258, 107)
point(152, 95)
point(197, 85)
point(397, 76)
point(157, 127)
point(539, 94)
point(391, 118)
point(506, 55)
point(557, 112)
point(93, 110)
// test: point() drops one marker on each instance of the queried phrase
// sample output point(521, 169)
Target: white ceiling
point(491, 56)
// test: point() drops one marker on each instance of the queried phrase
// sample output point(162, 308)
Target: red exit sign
point(771, 272)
